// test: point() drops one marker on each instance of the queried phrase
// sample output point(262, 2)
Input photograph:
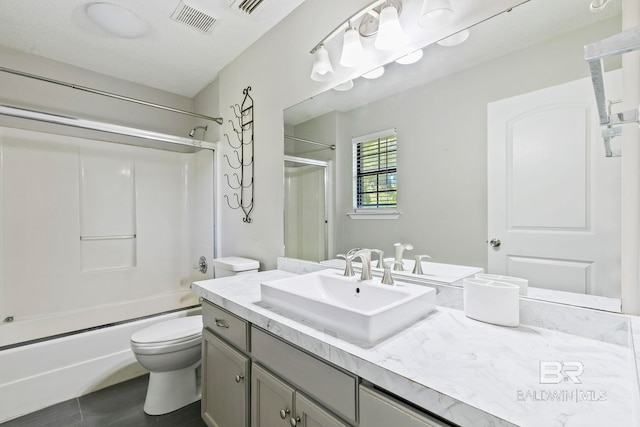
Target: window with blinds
point(375, 166)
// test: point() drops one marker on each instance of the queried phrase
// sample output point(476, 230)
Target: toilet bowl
point(171, 351)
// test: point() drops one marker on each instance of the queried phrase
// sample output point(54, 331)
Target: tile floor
point(118, 406)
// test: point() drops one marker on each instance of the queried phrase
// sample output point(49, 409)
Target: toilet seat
point(168, 336)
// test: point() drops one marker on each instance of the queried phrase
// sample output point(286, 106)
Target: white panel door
point(553, 196)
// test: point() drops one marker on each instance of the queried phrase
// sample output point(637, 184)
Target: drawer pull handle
point(239, 378)
point(294, 421)
point(284, 413)
point(221, 323)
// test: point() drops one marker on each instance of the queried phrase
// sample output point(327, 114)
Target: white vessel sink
point(365, 310)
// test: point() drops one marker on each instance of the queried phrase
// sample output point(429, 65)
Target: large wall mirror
point(497, 140)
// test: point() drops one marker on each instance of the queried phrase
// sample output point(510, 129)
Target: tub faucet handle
point(417, 268)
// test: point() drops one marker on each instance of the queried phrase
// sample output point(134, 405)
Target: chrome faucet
point(365, 257)
point(380, 257)
point(348, 268)
point(387, 278)
point(417, 269)
point(400, 248)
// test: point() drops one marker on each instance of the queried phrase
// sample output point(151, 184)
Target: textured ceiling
point(172, 56)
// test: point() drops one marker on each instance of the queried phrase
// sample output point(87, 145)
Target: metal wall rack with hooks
point(243, 151)
point(594, 53)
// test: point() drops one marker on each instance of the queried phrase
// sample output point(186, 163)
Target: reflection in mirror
point(306, 233)
point(498, 138)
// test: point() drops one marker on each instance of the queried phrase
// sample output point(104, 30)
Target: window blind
point(375, 163)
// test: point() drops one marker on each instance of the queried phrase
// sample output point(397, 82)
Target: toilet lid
point(170, 330)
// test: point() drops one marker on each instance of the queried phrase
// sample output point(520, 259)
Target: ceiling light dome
point(117, 20)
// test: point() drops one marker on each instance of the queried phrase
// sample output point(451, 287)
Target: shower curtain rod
point(218, 120)
point(308, 141)
point(177, 143)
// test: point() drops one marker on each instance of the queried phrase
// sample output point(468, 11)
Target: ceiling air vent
point(193, 17)
point(249, 6)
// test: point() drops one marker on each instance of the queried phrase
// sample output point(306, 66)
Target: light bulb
point(322, 68)
point(435, 13)
point(352, 51)
point(390, 35)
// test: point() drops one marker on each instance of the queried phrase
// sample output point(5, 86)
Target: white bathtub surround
point(472, 373)
point(81, 230)
point(42, 374)
point(492, 301)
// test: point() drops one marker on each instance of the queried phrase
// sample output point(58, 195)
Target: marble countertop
point(469, 372)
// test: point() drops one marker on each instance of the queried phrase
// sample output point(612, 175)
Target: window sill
point(374, 215)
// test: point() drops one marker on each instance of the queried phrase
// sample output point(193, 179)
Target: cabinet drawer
point(379, 410)
point(329, 385)
point(226, 325)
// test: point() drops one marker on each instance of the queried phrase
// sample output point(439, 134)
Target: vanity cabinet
point(379, 410)
point(252, 377)
point(276, 404)
point(334, 388)
point(225, 384)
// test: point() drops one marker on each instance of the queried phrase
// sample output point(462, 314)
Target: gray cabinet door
point(378, 410)
point(308, 414)
point(225, 394)
point(271, 400)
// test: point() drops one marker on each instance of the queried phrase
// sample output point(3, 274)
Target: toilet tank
point(230, 266)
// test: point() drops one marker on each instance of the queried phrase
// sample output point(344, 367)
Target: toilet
point(171, 350)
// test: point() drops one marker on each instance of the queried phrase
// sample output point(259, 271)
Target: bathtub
point(37, 372)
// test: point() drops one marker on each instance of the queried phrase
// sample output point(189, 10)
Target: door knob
point(239, 378)
point(294, 421)
point(495, 243)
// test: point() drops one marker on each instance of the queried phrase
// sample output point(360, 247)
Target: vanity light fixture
point(411, 58)
point(117, 20)
point(322, 68)
point(352, 51)
point(455, 39)
point(435, 13)
point(390, 35)
point(374, 74)
point(379, 19)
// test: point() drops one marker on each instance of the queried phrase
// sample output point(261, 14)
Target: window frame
point(371, 212)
